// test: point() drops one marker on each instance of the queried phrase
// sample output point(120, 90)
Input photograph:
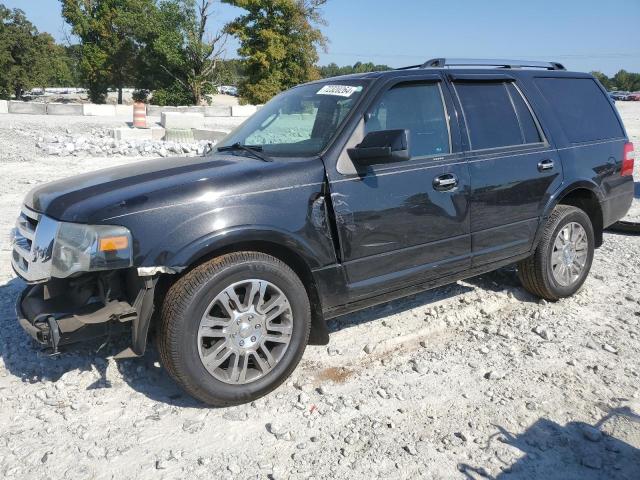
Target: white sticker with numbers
point(339, 90)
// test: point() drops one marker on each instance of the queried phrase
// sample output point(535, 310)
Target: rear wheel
point(234, 328)
point(563, 258)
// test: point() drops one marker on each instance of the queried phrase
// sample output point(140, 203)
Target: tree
point(110, 32)
point(183, 53)
point(229, 72)
point(622, 80)
point(603, 79)
point(279, 41)
point(626, 81)
point(28, 58)
point(333, 70)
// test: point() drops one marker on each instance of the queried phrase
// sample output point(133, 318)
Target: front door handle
point(545, 165)
point(448, 181)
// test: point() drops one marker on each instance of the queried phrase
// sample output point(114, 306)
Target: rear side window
point(584, 112)
point(496, 115)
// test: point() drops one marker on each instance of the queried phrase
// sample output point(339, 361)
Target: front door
point(512, 166)
point(404, 223)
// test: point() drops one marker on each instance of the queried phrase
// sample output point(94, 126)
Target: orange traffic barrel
point(139, 115)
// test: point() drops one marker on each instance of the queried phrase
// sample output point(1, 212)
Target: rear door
point(408, 222)
point(513, 168)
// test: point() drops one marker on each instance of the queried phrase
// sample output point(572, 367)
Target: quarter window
point(528, 127)
point(417, 108)
point(496, 115)
point(583, 110)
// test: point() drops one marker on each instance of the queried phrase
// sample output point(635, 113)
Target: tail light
point(627, 160)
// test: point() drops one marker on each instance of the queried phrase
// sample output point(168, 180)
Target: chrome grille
point(32, 244)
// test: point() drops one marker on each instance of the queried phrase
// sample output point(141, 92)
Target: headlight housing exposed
point(89, 248)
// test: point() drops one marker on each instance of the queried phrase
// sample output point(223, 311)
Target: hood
point(104, 195)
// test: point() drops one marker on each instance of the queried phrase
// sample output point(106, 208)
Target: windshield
point(300, 121)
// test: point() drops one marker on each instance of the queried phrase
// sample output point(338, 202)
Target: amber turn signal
point(111, 244)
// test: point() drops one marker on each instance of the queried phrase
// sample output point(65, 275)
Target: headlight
point(88, 248)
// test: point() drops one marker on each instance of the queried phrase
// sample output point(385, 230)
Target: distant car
point(634, 96)
point(228, 90)
point(617, 95)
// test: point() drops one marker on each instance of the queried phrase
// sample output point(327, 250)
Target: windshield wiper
point(254, 150)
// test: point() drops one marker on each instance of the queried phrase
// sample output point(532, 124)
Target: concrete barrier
point(223, 124)
point(156, 111)
point(217, 111)
point(4, 106)
point(64, 109)
point(179, 135)
point(93, 110)
point(205, 134)
point(243, 110)
point(124, 111)
point(190, 109)
point(182, 120)
point(28, 108)
point(126, 133)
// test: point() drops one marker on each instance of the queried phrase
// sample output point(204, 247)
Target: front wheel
point(563, 258)
point(234, 328)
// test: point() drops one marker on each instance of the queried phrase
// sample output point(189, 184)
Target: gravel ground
point(473, 380)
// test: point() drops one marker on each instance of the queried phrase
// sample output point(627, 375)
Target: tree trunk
point(196, 92)
point(119, 95)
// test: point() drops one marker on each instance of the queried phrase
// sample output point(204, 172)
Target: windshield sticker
point(339, 90)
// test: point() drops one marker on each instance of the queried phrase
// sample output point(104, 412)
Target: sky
point(584, 35)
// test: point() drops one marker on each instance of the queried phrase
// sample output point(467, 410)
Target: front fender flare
point(204, 246)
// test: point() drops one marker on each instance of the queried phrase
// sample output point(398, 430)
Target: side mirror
point(385, 146)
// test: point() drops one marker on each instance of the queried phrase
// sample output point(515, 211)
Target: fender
point(206, 245)
point(554, 199)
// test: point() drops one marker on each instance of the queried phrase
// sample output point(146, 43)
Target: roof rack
point(499, 63)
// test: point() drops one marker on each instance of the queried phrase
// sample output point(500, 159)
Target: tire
point(536, 272)
point(183, 352)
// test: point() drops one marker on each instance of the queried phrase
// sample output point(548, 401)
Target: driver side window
point(417, 108)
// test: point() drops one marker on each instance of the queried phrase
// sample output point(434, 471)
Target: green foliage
point(140, 96)
point(28, 58)
point(333, 70)
point(603, 79)
point(110, 32)
point(278, 40)
point(623, 80)
point(174, 95)
point(181, 53)
point(229, 72)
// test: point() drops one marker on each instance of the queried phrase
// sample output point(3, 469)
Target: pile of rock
point(101, 144)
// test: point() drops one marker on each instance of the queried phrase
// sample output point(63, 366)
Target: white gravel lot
point(473, 380)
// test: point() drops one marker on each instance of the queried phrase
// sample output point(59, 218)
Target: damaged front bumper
point(61, 313)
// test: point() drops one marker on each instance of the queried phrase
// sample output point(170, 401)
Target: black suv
point(335, 196)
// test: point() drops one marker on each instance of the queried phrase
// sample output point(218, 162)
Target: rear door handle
point(545, 165)
point(448, 181)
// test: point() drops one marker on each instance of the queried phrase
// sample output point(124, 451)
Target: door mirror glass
point(385, 146)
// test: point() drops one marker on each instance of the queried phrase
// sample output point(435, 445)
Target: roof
point(471, 66)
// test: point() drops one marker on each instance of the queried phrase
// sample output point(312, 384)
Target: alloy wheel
point(245, 331)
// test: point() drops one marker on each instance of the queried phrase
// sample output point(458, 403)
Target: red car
point(634, 96)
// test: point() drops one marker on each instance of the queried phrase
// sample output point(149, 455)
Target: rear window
point(496, 115)
point(584, 112)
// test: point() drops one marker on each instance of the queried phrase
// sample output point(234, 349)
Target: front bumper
point(56, 321)
point(66, 311)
